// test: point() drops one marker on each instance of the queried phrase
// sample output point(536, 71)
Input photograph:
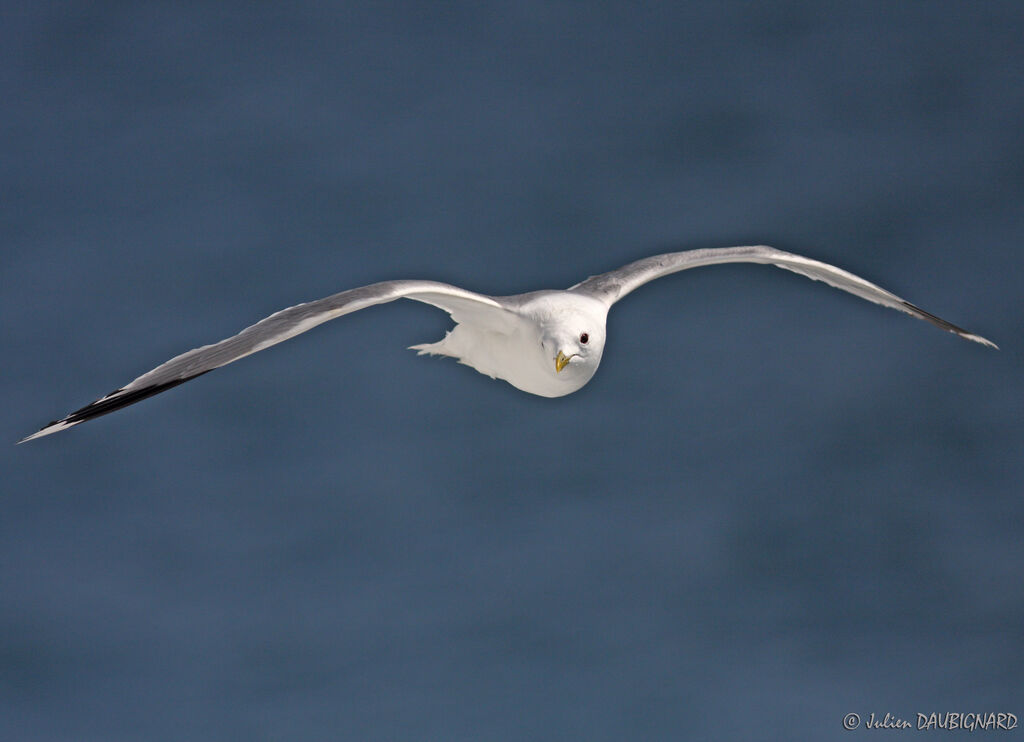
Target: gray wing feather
point(277, 328)
point(612, 286)
point(296, 320)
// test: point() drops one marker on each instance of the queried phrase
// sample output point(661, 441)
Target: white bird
point(547, 343)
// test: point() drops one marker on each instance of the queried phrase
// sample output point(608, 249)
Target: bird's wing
point(461, 304)
point(612, 286)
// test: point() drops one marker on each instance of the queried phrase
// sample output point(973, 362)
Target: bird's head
point(573, 342)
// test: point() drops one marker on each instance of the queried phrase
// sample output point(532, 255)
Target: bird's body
point(547, 343)
point(515, 351)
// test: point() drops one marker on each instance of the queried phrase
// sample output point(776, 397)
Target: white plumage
point(547, 343)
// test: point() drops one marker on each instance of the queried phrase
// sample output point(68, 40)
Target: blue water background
point(775, 504)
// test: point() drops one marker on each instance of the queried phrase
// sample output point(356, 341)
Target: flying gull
point(547, 343)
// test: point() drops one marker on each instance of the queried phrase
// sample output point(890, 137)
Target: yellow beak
point(561, 361)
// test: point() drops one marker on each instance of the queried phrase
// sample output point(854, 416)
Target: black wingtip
point(949, 326)
point(105, 405)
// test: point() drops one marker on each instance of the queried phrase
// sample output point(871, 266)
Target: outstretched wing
point(461, 304)
point(612, 286)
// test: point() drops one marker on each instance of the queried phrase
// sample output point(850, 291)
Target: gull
point(547, 343)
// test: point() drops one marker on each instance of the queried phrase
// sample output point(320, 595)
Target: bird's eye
point(584, 338)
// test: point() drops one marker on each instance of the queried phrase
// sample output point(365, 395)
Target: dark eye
point(584, 338)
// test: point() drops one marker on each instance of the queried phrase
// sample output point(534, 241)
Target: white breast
point(517, 358)
point(515, 353)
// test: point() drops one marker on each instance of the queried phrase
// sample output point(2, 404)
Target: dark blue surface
point(775, 504)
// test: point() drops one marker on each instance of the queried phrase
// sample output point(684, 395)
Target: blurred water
point(774, 505)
